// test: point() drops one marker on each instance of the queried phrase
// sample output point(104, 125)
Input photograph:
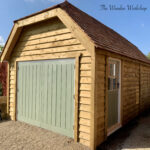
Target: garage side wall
point(48, 40)
point(145, 88)
point(100, 97)
point(130, 78)
point(130, 90)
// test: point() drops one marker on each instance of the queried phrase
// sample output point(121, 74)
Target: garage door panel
point(69, 94)
point(63, 96)
point(29, 90)
point(50, 80)
point(24, 93)
point(34, 82)
point(37, 88)
point(19, 88)
point(56, 129)
point(46, 94)
point(29, 121)
point(58, 102)
point(32, 92)
point(46, 98)
point(73, 93)
point(43, 93)
point(54, 95)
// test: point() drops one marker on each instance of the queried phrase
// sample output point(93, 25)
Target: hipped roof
point(102, 36)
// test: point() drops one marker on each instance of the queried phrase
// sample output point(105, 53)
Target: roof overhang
point(43, 16)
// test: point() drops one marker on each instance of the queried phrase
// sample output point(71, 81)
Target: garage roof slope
point(102, 36)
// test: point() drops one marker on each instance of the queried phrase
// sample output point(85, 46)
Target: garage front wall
point(51, 39)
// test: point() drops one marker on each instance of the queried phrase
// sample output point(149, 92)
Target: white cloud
point(143, 25)
point(2, 41)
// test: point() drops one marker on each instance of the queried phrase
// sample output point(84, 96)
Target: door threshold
point(114, 128)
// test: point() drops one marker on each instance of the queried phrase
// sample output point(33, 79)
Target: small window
point(113, 81)
point(110, 87)
point(114, 84)
point(112, 70)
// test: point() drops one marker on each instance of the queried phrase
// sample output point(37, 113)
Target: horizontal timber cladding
point(130, 90)
point(51, 39)
point(135, 87)
point(100, 97)
point(145, 88)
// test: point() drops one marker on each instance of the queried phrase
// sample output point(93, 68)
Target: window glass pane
point(114, 83)
point(110, 84)
point(112, 69)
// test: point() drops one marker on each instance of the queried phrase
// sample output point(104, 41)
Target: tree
point(148, 56)
point(1, 48)
point(3, 77)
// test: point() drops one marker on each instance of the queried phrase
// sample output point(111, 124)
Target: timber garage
point(71, 74)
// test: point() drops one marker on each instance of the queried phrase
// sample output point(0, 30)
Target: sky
point(133, 24)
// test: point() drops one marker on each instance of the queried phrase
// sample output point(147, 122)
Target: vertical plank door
point(45, 94)
point(113, 95)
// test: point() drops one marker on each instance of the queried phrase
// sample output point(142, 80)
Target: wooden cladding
point(145, 88)
point(130, 88)
point(52, 40)
point(100, 97)
point(135, 91)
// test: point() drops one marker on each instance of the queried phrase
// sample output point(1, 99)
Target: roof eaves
point(6, 42)
point(122, 54)
point(42, 11)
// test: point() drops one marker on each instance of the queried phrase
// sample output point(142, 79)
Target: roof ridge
point(109, 28)
point(104, 37)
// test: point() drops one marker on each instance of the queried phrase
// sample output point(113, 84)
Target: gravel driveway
point(21, 136)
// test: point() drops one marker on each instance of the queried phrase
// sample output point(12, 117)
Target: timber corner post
point(93, 136)
point(77, 74)
point(106, 96)
point(15, 96)
point(122, 89)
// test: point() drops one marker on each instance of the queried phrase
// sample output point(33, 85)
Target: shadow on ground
point(134, 136)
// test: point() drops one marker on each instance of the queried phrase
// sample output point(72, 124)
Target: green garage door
point(45, 94)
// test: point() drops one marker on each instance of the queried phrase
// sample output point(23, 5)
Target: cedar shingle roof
point(101, 35)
